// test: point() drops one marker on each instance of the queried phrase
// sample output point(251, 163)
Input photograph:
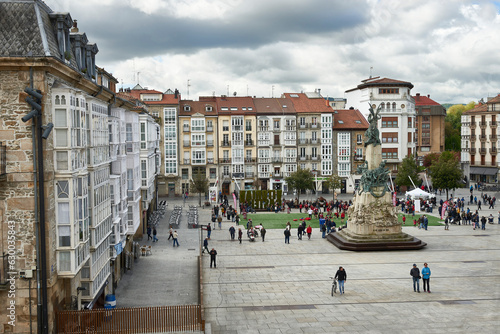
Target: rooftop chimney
point(429, 96)
point(418, 94)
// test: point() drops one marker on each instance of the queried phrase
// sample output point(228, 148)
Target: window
point(187, 108)
point(388, 91)
point(276, 124)
point(359, 138)
point(389, 122)
point(198, 157)
point(389, 153)
point(185, 173)
point(213, 173)
point(248, 125)
point(302, 121)
point(198, 124)
point(225, 125)
point(208, 108)
point(389, 137)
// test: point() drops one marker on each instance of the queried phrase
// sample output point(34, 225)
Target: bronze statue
point(372, 135)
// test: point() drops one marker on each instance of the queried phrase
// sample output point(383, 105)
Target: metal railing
point(131, 320)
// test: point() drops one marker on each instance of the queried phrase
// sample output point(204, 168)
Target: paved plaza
point(273, 287)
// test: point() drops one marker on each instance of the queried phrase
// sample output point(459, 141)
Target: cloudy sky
point(448, 49)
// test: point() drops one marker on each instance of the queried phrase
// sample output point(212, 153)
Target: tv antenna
point(188, 85)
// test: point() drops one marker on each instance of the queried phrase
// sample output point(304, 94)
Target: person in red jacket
point(309, 232)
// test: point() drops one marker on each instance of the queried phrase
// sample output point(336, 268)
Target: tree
point(446, 172)
point(430, 158)
point(453, 123)
point(333, 182)
point(407, 170)
point(302, 179)
point(199, 184)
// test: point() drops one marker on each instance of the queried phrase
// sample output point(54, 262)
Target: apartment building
point(164, 107)
point(480, 135)
point(397, 124)
point(276, 142)
point(236, 127)
point(349, 128)
point(76, 132)
point(198, 132)
point(430, 117)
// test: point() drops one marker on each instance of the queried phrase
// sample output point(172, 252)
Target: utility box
point(26, 273)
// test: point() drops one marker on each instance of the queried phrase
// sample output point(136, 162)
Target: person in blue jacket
point(426, 275)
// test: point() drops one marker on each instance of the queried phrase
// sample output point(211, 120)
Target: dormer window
point(208, 108)
point(187, 108)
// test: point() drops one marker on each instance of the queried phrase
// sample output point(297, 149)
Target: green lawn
point(279, 220)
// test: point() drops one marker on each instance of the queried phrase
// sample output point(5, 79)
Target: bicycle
point(334, 285)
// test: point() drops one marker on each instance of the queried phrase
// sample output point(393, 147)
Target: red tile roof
point(240, 104)
point(496, 99)
point(421, 100)
point(349, 119)
point(275, 106)
point(481, 107)
point(166, 98)
point(303, 104)
point(197, 107)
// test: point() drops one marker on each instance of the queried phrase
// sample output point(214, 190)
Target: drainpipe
point(37, 237)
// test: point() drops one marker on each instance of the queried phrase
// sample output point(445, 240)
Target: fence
point(131, 320)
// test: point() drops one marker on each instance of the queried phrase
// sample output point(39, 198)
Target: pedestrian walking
point(240, 234)
point(205, 246)
point(415, 274)
point(219, 221)
point(155, 239)
point(149, 233)
point(175, 238)
point(426, 276)
point(209, 230)
point(309, 232)
point(287, 236)
point(263, 233)
point(483, 223)
point(171, 232)
point(446, 223)
point(341, 276)
point(232, 232)
point(213, 255)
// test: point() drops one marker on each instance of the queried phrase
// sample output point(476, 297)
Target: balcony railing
point(3, 159)
point(493, 137)
point(249, 160)
point(276, 159)
point(249, 175)
point(238, 175)
point(314, 158)
point(314, 141)
point(210, 160)
point(303, 126)
point(210, 143)
point(482, 125)
point(314, 126)
point(210, 129)
point(473, 125)
point(263, 128)
point(277, 175)
point(237, 128)
point(473, 138)
point(493, 124)
point(276, 143)
point(187, 161)
point(482, 151)
point(248, 128)
point(291, 128)
point(304, 158)
point(483, 138)
point(493, 150)
point(472, 150)
point(276, 129)
point(185, 128)
point(249, 143)
point(186, 143)
point(225, 160)
point(359, 158)
point(303, 141)
point(225, 143)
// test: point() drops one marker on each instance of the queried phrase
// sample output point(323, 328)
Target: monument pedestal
point(373, 225)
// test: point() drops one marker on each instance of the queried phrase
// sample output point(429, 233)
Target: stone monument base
point(348, 241)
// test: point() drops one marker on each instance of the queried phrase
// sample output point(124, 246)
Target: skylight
point(359, 122)
point(294, 95)
point(341, 122)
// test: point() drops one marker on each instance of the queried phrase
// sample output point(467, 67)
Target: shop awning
point(484, 170)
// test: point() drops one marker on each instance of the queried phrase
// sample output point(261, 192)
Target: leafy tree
point(408, 169)
point(302, 179)
point(333, 182)
point(446, 172)
point(199, 184)
point(453, 122)
point(430, 158)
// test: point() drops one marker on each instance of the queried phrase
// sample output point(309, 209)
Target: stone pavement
point(270, 287)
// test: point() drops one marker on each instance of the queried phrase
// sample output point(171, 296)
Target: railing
point(493, 124)
point(493, 150)
point(186, 143)
point(314, 158)
point(482, 151)
point(237, 128)
point(302, 141)
point(276, 159)
point(482, 124)
point(314, 141)
point(276, 129)
point(472, 150)
point(303, 126)
point(279, 175)
point(3, 159)
point(210, 129)
point(314, 126)
point(225, 143)
point(304, 157)
point(238, 175)
point(249, 143)
point(249, 175)
point(473, 125)
point(210, 143)
point(263, 128)
point(185, 128)
point(473, 138)
point(249, 160)
point(248, 128)
point(210, 160)
point(493, 137)
point(276, 143)
point(358, 157)
point(290, 128)
point(482, 138)
point(187, 161)
point(225, 160)
point(131, 320)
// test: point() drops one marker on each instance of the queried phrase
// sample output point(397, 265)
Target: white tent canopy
point(419, 193)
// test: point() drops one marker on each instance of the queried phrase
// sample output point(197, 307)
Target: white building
point(397, 110)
